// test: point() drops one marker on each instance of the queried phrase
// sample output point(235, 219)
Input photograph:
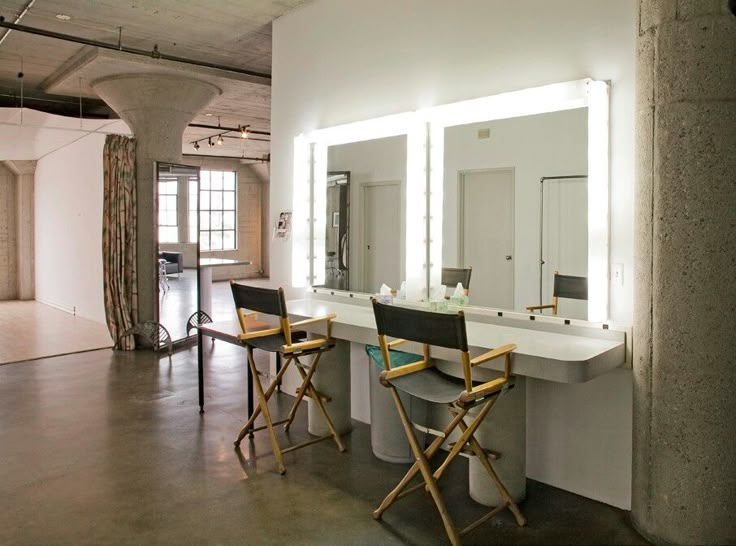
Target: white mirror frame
point(425, 168)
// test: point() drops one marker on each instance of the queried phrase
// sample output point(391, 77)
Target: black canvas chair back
point(453, 275)
point(289, 345)
point(260, 300)
point(569, 286)
point(419, 378)
point(439, 329)
point(564, 286)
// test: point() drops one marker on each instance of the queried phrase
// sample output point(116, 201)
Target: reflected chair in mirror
point(422, 380)
point(282, 340)
point(564, 286)
point(453, 275)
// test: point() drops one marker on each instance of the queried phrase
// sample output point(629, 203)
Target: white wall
point(337, 61)
point(68, 238)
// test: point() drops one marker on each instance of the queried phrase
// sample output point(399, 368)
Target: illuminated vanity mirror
point(509, 185)
point(365, 225)
point(543, 226)
point(177, 188)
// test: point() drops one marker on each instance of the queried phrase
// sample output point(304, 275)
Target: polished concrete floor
point(106, 447)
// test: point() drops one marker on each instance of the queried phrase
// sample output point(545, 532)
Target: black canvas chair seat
point(417, 376)
point(289, 345)
point(432, 386)
point(274, 343)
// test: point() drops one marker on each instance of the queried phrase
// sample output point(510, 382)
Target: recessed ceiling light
point(62, 17)
point(208, 115)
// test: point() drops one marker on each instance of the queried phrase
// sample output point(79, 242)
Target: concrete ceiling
point(232, 33)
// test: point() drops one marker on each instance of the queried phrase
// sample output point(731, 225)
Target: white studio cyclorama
point(565, 225)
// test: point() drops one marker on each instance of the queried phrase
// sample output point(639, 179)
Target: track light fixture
point(219, 138)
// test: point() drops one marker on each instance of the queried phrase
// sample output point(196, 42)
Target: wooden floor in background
point(30, 330)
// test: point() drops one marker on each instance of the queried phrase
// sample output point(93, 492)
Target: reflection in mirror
point(496, 217)
point(177, 188)
point(368, 234)
point(337, 233)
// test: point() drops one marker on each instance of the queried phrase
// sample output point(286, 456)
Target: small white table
point(205, 279)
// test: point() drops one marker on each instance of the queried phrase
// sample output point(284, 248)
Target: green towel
point(398, 358)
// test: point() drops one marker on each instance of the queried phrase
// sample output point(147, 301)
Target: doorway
point(486, 201)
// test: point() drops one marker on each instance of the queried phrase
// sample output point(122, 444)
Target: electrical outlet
point(617, 274)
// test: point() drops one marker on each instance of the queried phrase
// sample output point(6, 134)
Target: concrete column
point(684, 475)
point(157, 108)
point(25, 232)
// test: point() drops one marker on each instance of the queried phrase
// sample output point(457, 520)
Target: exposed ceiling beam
point(155, 53)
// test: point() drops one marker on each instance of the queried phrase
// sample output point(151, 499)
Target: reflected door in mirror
point(487, 235)
point(381, 226)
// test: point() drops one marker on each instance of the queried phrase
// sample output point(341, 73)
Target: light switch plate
point(617, 274)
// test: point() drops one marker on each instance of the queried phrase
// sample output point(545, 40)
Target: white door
point(565, 239)
point(487, 235)
point(381, 236)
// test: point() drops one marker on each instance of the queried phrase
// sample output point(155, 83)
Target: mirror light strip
point(598, 189)
point(416, 211)
point(436, 199)
point(300, 220)
point(319, 213)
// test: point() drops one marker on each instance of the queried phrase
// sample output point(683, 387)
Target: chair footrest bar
point(307, 443)
point(428, 430)
point(483, 519)
point(467, 451)
point(263, 427)
point(322, 397)
point(411, 490)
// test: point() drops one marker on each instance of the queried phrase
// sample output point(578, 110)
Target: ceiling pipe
point(228, 129)
point(17, 19)
point(155, 53)
point(266, 159)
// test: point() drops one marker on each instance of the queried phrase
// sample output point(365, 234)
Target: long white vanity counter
point(543, 350)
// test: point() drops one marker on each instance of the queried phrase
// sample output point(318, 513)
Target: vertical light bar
point(436, 198)
point(598, 188)
point(416, 211)
point(300, 232)
point(319, 212)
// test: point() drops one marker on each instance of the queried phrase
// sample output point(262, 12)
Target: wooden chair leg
point(263, 404)
point(426, 471)
point(257, 411)
point(318, 401)
point(302, 391)
point(467, 432)
point(433, 448)
point(505, 495)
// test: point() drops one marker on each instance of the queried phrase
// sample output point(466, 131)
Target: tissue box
point(386, 299)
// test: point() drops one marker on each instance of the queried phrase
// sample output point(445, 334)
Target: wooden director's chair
point(282, 340)
point(564, 286)
point(422, 380)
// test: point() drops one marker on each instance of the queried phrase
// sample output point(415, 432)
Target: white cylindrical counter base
point(388, 439)
point(332, 379)
point(502, 431)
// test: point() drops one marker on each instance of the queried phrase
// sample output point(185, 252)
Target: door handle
point(508, 257)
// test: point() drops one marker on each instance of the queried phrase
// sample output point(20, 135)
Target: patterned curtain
point(119, 238)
